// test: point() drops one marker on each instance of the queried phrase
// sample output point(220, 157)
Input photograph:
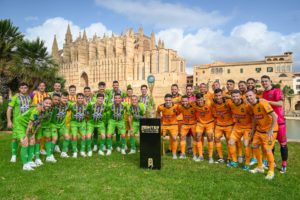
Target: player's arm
point(158, 112)
point(274, 120)
point(8, 115)
point(276, 103)
point(29, 127)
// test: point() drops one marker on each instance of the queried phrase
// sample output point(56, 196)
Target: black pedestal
point(150, 143)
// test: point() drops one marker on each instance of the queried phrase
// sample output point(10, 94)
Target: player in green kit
point(136, 111)
point(25, 129)
point(78, 124)
point(17, 105)
point(115, 114)
point(58, 122)
point(96, 117)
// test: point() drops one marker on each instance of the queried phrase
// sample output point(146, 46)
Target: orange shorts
point(208, 128)
point(264, 140)
point(238, 133)
point(185, 128)
point(171, 129)
point(223, 130)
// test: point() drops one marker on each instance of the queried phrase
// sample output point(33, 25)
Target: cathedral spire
point(68, 36)
point(55, 54)
point(153, 42)
point(84, 37)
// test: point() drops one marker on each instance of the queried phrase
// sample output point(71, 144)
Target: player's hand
point(270, 133)
point(9, 125)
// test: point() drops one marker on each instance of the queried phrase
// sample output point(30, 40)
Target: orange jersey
point(127, 100)
point(204, 113)
point(169, 115)
point(38, 97)
point(241, 114)
point(261, 111)
point(72, 98)
point(244, 97)
point(222, 113)
point(188, 114)
point(176, 99)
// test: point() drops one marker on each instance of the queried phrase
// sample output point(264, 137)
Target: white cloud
point(249, 41)
point(164, 15)
point(58, 26)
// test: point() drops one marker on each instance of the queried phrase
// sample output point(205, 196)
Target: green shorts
point(113, 124)
point(100, 126)
point(46, 132)
point(59, 130)
point(78, 128)
point(135, 127)
point(19, 132)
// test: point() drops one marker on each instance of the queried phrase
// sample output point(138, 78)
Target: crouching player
point(96, 117)
point(58, 122)
point(135, 112)
point(242, 116)
point(26, 127)
point(266, 128)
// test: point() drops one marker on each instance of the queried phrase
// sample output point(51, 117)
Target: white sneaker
point(101, 153)
point(26, 167)
point(270, 175)
point(118, 149)
point(89, 154)
point(51, 159)
point(38, 162)
point(82, 153)
point(32, 164)
point(182, 156)
point(174, 157)
point(43, 152)
point(95, 148)
point(57, 149)
point(123, 152)
point(240, 159)
point(210, 160)
point(74, 155)
point(195, 158)
point(104, 148)
point(13, 158)
point(132, 151)
point(257, 170)
point(126, 148)
point(64, 155)
point(108, 153)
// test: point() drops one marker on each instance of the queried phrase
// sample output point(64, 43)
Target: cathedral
point(128, 58)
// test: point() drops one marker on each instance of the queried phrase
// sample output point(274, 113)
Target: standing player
point(242, 116)
point(230, 84)
point(224, 122)
point(96, 113)
point(56, 89)
point(135, 112)
point(275, 98)
point(176, 99)
point(168, 113)
point(145, 98)
point(205, 124)
point(266, 128)
point(115, 113)
point(17, 105)
point(189, 137)
point(188, 124)
point(204, 91)
point(243, 89)
point(87, 95)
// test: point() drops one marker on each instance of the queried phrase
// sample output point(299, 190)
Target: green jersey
point(137, 112)
point(20, 104)
point(106, 96)
point(111, 95)
point(59, 114)
point(95, 112)
point(146, 100)
point(51, 93)
point(78, 112)
point(117, 112)
point(33, 114)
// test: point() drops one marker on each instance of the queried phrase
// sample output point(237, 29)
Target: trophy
point(150, 112)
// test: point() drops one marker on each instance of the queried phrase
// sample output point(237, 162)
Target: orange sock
point(239, 146)
point(270, 157)
point(195, 147)
point(210, 149)
point(219, 149)
point(174, 147)
point(232, 152)
point(229, 155)
point(257, 154)
point(182, 146)
point(199, 147)
point(247, 155)
point(264, 154)
point(253, 155)
point(170, 143)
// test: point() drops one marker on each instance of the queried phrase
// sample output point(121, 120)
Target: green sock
point(30, 152)
point(53, 146)
point(123, 143)
point(14, 147)
point(109, 143)
point(37, 151)
point(82, 145)
point(65, 145)
point(132, 143)
point(118, 138)
point(102, 144)
point(24, 155)
point(48, 146)
point(89, 144)
point(74, 145)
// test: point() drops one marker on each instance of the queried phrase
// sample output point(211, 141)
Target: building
point(296, 82)
point(278, 67)
point(190, 80)
point(128, 58)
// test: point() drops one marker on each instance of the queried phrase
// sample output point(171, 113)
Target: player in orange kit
point(168, 113)
point(176, 99)
point(266, 129)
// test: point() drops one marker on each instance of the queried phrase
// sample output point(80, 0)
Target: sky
point(200, 31)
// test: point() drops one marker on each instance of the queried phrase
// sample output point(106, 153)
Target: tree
point(288, 93)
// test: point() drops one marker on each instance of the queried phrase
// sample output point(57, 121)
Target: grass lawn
point(119, 177)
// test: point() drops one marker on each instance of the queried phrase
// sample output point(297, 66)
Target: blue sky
point(201, 31)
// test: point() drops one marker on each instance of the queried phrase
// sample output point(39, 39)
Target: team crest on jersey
point(270, 95)
point(242, 110)
point(205, 108)
point(258, 109)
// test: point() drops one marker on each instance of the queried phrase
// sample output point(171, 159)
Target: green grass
point(119, 177)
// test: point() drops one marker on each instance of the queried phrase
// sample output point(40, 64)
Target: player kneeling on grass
point(26, 127)
point(96, 112)
point(78, 125)
point(136, 111)
point(266, 127)
point(115, 112)
point(189, 124)
point(242, 116)
point(58, 122)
